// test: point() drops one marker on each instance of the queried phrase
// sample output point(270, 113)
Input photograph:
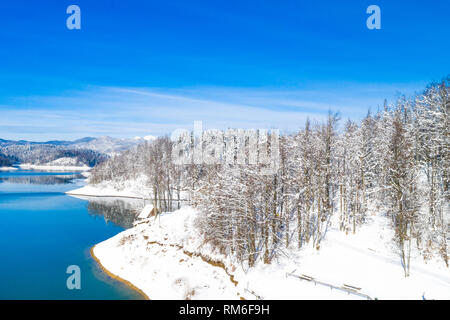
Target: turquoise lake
point(43, 231)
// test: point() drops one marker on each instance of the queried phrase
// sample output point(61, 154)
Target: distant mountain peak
point(35, 151)
point(146, 138)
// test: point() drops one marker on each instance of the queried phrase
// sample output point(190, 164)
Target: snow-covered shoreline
point(54, 167)
point(166, 259)
point(133, 189)
point(164, 266)
point(96, 191)
point(8, 168)
point(116, 277)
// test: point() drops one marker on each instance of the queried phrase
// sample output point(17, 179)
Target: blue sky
point(148, 67)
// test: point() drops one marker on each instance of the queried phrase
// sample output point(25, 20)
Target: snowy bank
point(136, 189)
point(162, 269)
point(8, 169)
point(107, 191)
point(54, 167)
point(167, 259)
point(117, 277)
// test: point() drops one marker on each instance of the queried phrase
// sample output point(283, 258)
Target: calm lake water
point(43, 231)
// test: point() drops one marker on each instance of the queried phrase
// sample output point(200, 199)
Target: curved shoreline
point(116, 277)
point(112, 196)
point(105, 196)
point(56, 168)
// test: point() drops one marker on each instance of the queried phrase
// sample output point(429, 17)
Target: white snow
point(109, 145)
point(65, 161)
point(54, 167)
point(86, 174)
point(128, 189)
point(146, 138)
point(137, 188)
point(144, 256)
point(365, 260)
point(94, 191)
point(8, 169)
point(145, 213)
point(154, 256)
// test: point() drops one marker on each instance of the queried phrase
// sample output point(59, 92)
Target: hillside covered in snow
point(78, 153)
point(166, 259)
point(354, 208)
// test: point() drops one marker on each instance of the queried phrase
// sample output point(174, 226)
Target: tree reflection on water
point(120, 212)
point(41, 179)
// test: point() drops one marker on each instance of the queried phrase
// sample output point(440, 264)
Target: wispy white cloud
point(129, 112)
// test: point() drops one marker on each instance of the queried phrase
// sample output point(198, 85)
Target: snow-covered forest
point(5, 160)
point(45, 153)
point(86, 151)
point(395, 161)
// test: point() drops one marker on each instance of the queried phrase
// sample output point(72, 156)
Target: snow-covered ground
point(129, 189)
point(167, 259)
point(145, 256)
point(54, 167)
point(108, 145)
point(64, 161)
point(138, 188)
point(8, 169)
point(94, 191)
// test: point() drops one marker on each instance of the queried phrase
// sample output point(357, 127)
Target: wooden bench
point(305, 277)
point(349, 287)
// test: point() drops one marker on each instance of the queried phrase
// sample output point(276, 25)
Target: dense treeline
point(395, 162)
point(119, 212)
point(83, 156)
point(6, 161)
point(151, 160)
point(45, 153)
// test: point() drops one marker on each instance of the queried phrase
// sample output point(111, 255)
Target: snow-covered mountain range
point(87, 151)
point(107, 145)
